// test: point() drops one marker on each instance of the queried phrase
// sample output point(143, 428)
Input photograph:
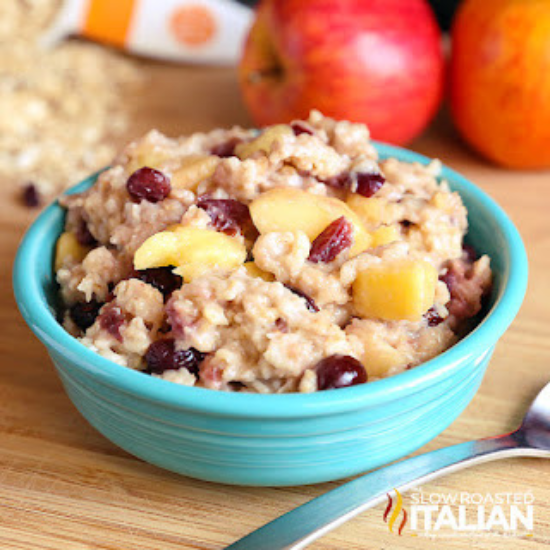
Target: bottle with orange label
point(196, 31)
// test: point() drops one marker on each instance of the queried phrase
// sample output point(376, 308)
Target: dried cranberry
point(450, 279)
point(363, 183)
point(84, 313)
point(341, 181)
point(369, 184)
point(30, 196)
point(111, 320)
point(228, 215)
point(466, 290)
point(83, 235)
point(162, 356)
point(470, 253)
point(148, 184)
point(301, 128)
point(310, 303)
point(335, 238)
point(162, 278)
point(433, 318)
point(226, 148)
point(339, 371)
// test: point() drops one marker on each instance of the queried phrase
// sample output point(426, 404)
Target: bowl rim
point(32, 303)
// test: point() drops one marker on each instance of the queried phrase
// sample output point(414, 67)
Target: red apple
point(374, 61)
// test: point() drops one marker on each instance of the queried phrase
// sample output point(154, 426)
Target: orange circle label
point(193, 25)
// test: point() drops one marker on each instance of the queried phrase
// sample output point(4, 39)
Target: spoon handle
point(298, 528)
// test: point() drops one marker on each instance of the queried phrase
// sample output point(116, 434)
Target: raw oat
point(60, 110)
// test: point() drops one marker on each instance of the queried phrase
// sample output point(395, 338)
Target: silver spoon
point(300, 527)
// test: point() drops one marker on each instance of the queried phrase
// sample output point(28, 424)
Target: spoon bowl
point(535, 428)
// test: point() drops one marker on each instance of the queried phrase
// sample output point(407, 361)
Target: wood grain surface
point(63, 486)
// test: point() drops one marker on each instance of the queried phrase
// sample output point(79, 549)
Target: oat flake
point(60, 110)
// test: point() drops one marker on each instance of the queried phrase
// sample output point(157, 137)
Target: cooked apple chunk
point(192, 251)
point(385, 234)
point(146, 155)
point(371, 210)
point(381, 357)
point(264, 141)
point(398, 290)
point(295, 210)
point(254, 271)
point(193, 170)
point(68, 249)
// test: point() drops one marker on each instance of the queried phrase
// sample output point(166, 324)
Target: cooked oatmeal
point(288, 259)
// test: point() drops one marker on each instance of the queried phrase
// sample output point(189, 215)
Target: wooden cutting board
point(63, 486)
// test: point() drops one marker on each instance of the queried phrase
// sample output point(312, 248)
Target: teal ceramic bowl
point(290, 439)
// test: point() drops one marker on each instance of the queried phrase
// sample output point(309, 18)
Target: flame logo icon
point(395, 513)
